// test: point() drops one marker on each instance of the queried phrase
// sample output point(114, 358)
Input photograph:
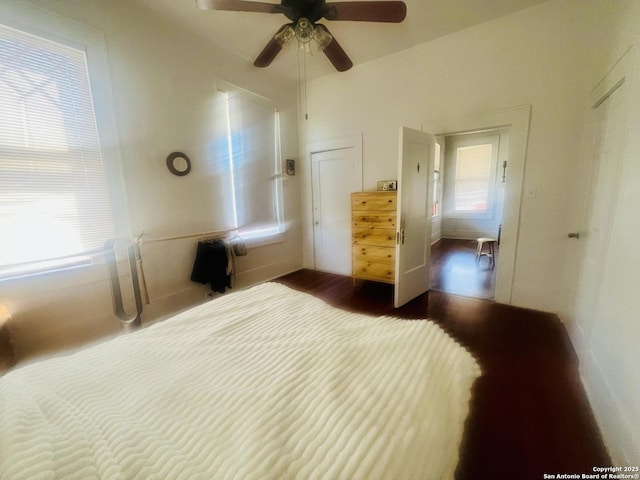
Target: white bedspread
point(266, 383)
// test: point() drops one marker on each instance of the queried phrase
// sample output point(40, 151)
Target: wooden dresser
point(373, 229)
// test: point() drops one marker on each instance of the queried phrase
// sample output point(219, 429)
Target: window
point(475, 171)
point(252, 152)
point(473, 167)
point(54, 202)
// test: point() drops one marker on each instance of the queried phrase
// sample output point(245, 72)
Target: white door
point(602, 160)
point(413, 249)
point(334, 175)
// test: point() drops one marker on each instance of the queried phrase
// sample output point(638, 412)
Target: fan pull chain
point(302, 79)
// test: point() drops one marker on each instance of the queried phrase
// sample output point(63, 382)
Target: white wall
point(607, 341)
point(163, 82)
point(545, 56)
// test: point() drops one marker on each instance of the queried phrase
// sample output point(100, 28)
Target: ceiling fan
point(304, 14)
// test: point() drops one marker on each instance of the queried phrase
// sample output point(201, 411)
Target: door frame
point(317, 146)
point(517, 119)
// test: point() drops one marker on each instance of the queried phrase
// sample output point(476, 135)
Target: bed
point(264, 383)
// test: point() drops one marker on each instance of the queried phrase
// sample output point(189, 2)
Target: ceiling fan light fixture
point(285, 35)
point(303, 15)
point(304, 30)
point(322, 37)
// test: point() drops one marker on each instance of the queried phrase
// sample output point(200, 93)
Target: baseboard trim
point(609, 414)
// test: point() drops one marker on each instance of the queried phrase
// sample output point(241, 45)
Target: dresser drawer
point(373, 201)
point(386, 220)
point(373, 271)
point(374, 236)
point(382, 255)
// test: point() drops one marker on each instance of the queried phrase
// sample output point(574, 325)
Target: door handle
point(402, 234)
point(575, 235)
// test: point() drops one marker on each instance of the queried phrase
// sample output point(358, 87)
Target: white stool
point(490, 251)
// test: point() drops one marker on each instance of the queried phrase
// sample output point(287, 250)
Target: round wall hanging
point(178, 164)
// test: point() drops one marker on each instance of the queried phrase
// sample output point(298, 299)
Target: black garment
point(211, 265)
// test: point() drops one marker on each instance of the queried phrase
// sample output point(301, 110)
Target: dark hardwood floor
point(529, 414)
point(454, 269)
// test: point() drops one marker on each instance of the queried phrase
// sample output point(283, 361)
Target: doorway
point(517, 120)
point(471, 176)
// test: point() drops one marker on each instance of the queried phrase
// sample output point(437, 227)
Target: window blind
point(54, 200)
point(473, 178)
point(254, 143)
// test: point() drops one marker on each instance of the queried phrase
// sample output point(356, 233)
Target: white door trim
point(316, 146)
point(517, 119)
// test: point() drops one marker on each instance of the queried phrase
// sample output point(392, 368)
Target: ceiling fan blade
point(270, 51)
point(386, 11)
point(239, 6)
point(335, 53)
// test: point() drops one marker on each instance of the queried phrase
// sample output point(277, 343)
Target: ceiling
point(245, 33)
